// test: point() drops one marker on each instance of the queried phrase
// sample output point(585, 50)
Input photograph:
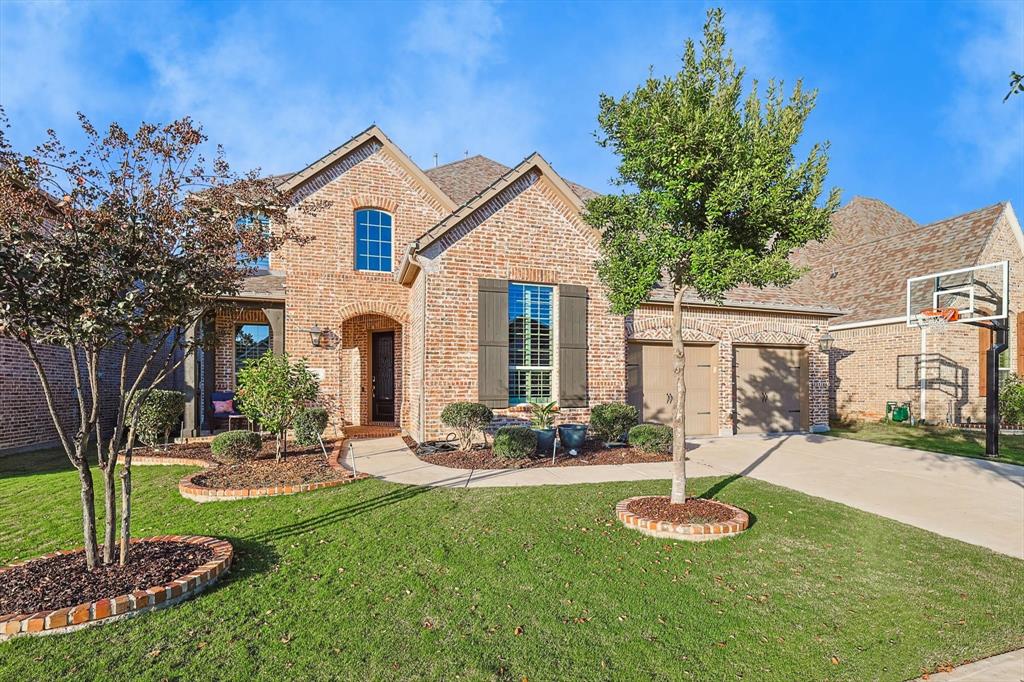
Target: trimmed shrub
point(1011, 400)
point(160, 412)
point(651, 438)
point(309, 425)
point(514, 442)
point(610, 421)
point(468, 419)
point(235, 446)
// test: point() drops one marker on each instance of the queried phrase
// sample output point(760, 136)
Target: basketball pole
point(992, 420)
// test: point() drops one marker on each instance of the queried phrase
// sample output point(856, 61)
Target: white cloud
point(460, 92)
point(988, 132)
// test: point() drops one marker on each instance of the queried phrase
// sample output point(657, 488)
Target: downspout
point(410, 258)
point(423, 355)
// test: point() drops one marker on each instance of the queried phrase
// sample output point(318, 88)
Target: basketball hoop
point(937, 319)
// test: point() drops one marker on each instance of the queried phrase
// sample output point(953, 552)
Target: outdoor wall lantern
point(825, 341)
point(316, 335)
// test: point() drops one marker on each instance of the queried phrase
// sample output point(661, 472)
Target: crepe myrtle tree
point(714, 196)
point(110, 253)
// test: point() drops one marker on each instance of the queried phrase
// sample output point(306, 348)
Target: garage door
point(651, 385)
point(770, 391)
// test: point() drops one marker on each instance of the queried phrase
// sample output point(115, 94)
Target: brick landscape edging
point(694, 532)
point(151, 460)
point(197, 493)
point(123, 606)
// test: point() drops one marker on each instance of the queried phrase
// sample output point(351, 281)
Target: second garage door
point(770, 389)
point(651, 385)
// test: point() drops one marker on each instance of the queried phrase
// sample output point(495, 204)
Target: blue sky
point(910, 94)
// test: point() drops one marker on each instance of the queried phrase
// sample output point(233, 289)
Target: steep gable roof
point(862, 219)
point(373, 133)
point(534, 163)
point(463, 180)
point(868, 278)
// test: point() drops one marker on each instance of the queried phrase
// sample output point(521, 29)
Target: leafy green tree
point(714, 196)
point(273, 390)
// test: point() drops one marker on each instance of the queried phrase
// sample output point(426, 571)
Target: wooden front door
point(770, 389)
point(651, 385)
point(382, 377)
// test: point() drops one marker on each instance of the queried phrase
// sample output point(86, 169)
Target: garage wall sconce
point(825, 341)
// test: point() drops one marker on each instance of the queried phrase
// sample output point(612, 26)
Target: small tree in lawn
point(272, 391)
point(111, 253)
point(716, 197)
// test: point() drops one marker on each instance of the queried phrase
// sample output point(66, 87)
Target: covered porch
point(239, 329)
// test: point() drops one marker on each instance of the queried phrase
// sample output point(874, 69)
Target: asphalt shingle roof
point(867, 279)
point(463, 180)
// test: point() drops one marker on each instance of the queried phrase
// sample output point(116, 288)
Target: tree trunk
point(88, 514)
point(126, 504)
point(679, 407)
point(277, 444)
point(110, 512)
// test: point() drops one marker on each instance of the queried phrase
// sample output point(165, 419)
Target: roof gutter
point(409, 267)
point(823, 312)
point(867, 323)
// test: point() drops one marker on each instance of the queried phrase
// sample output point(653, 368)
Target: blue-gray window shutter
point(572, 346)
point(492, 341)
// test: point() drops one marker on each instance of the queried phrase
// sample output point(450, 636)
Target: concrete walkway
point(972, 500)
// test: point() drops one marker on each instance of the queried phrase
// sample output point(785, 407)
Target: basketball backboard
point(977, 293)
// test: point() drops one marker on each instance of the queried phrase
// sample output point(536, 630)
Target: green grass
point(379, 581)
point(934, 439)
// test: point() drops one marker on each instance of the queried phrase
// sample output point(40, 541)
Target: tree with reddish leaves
point(114, 251)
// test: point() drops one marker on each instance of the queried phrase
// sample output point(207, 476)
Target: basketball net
point(937, 319)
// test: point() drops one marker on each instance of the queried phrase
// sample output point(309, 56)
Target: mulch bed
point(302, 465)
point(63, 581)
point(592, 453)
point(182, 451)
point(694, 510)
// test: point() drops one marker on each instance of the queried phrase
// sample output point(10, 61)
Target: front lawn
point(933, 439)
point(379, 581)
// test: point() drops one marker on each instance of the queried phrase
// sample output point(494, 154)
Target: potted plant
point(572, 436)
point(543, 422)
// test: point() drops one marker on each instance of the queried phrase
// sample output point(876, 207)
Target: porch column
point(193, 408)
point(275, 316)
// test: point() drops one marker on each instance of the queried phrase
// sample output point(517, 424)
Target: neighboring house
point(863, 269)
point(476, 281)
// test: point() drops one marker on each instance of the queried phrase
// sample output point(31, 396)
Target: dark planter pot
point(545, 440)
point(572, 436)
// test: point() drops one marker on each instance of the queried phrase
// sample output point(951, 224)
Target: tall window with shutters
point(530, 343)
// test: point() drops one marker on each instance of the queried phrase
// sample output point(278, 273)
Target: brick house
point(475, 281)
point(876, 357)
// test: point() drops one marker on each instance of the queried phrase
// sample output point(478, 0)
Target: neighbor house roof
point(867, 279)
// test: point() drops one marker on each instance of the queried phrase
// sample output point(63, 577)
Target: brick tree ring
point(118, 607)
point(735, 524)
point(188, 488)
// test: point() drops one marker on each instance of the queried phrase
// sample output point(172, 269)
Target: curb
point(123, 606)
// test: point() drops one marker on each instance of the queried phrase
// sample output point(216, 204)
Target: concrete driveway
point(972, 500)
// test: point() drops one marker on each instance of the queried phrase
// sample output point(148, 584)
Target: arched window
point(373, 240)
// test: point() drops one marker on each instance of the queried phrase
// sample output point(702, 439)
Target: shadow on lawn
point(251, 558)
point(342, 514)
point(32, 463)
